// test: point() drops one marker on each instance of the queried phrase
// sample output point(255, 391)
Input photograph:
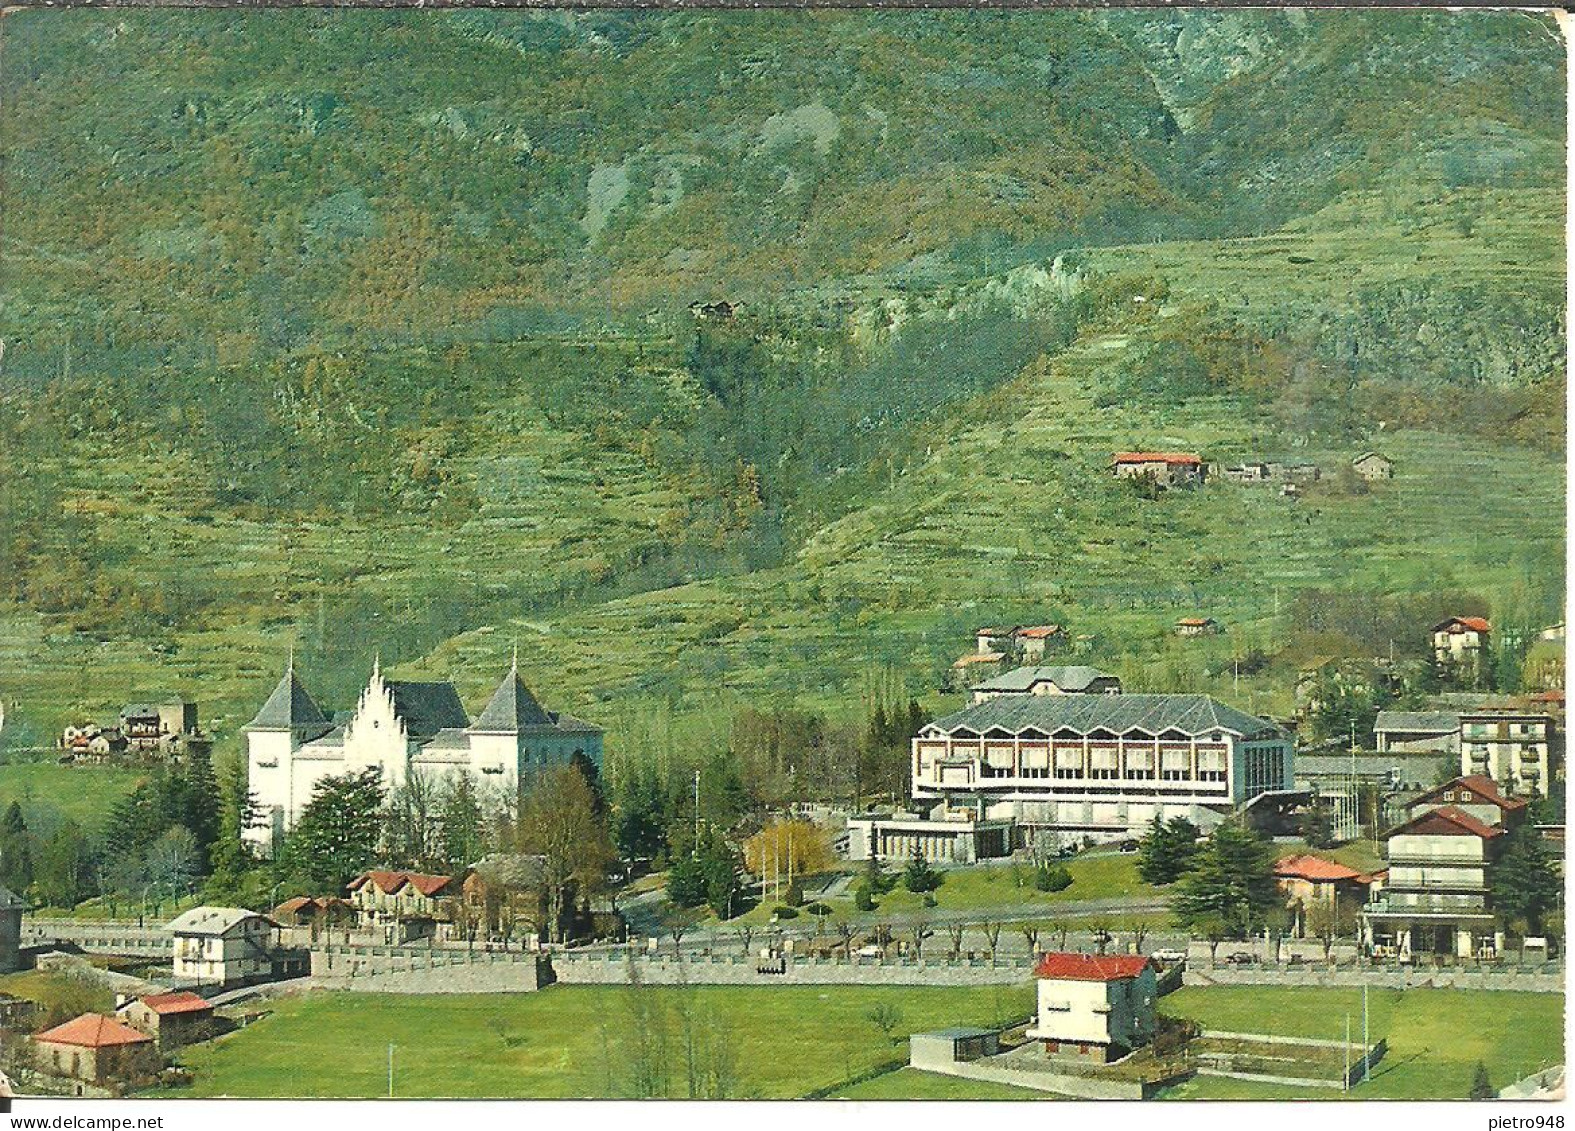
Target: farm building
point(1168, 469)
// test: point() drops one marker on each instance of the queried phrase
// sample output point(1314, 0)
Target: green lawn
point(570, 1041)
point(911, 1084)
point(79, 793)
point(992, 886)
point(790, 1042)
point(1435, 1037)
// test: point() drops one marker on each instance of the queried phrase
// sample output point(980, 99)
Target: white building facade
point(403, 728)
point(1099, 767)
point(223, 946)
point(1094, 1007)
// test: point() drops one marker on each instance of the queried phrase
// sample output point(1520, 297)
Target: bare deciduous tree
point(954, 931)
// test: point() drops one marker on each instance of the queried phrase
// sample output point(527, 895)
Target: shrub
point(1052, 877)
point(783, 911)
point(862, 900)
point(795, 894)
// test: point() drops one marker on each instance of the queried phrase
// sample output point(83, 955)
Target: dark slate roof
point(567, 722)
point(289, 707)
point(1190, 714)
point(1426, 722)
point(1073, 677)
point(427, 707)
point(511, 707)
point(449, 738)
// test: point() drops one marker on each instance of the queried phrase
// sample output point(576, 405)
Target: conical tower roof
point(512, 707)
point(289, 707)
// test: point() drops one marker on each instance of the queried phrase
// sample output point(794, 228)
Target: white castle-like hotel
point(404, 728)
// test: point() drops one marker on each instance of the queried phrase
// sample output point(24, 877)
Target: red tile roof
point(1461, 820)
point(1090, 967)
point(1197, 621)
point(94, 1031)
point(1554, 696)
point(428, 885)
point(1314, 868)
point(1484, 787)
point(389, 883)
point(1158, 457)
point(1475, 624)
point(181, 1001)
point(1040, 631)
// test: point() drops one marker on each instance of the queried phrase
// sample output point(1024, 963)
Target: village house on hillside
point(402, 727)
point(1198, 626)
point(1075, 679)
point(1460, 640)
point(1372, 467)
point(1094, 1007)
point(1167, 469)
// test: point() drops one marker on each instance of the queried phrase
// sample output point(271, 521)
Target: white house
point(1460, 639)
point(1093, 1006)
point(403, 728)
point(223, 946)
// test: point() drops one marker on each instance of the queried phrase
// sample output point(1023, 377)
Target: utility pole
point(1346, 1086)
point(1367, 1045)
point(697, 811)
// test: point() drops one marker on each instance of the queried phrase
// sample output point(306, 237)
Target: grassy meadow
point(792, 1041)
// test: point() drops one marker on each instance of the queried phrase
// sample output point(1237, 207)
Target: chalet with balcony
point(1435, 899)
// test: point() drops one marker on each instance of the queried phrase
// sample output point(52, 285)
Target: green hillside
point(370, 332)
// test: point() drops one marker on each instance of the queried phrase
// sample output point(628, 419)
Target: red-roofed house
point(172, 1020)
point(1435, 899)
point(1317, 888)
point(1197, 626)
point(1093, 1006)
point(1035, 639)
point(1477, 795)
point(1460, 639)
point(414, 899)
point(1168, 469)
point(97, 1050)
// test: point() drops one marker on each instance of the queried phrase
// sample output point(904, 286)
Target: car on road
point(1240, 958)
point(871, 951)
point(1169, 955)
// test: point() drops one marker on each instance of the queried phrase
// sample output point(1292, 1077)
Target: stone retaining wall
point(1370, 976)
point(393, 971)
point(735, 970)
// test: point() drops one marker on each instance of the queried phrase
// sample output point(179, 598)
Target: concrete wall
point(390, 970)
point(1388, 978)
point(736, 970)
point(1061, 1084)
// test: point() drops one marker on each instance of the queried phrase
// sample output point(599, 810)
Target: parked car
point(1169, 955)
point(870, 951)
point(1240, 958)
